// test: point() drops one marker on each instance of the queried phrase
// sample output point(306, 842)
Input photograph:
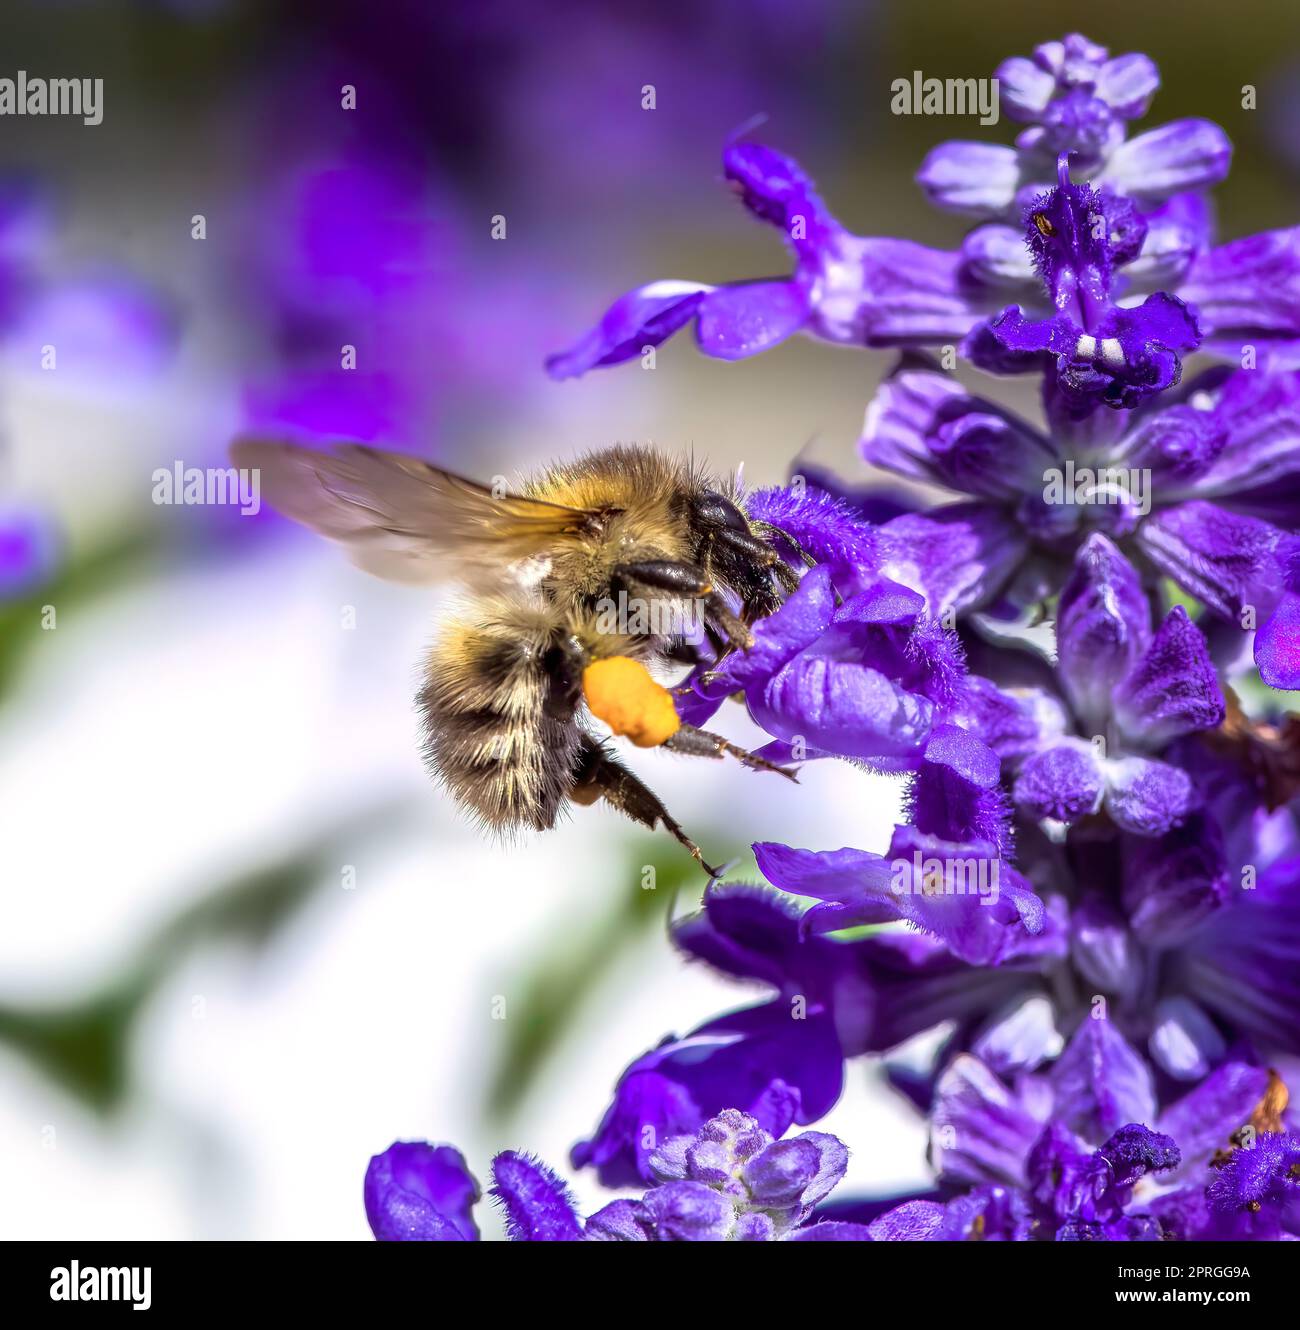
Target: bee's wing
point(403, 519)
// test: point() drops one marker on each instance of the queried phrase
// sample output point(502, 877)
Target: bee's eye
point(1044, 224)
point(715, 510)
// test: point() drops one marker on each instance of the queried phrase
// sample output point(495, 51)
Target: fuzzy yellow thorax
point(621, 692)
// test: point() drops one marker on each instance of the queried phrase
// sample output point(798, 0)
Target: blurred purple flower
point(29, 551)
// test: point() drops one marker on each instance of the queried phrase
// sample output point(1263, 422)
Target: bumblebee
point(535, 648)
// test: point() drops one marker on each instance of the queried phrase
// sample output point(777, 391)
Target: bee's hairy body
point(501, 699)
point(490, 735)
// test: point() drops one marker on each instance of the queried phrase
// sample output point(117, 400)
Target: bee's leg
point(750, 564)
point(597, 775)
point(669, 580)
point(702, 743)
point(767, 531)
point(685, 652)
point(786, 575)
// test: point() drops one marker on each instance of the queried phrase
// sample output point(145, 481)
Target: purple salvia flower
point(1096, 887)
point(1079, 237)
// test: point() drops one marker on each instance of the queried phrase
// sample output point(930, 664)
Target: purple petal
point(1103, 626)
point(1179, 443)
point(643, 317)
point(988, 1213)
point(1127, 84)
point(1226, 559)
point(832, 1163)
point(754, 1227)
point(1134, 1151)
point(1182, 155)
point(957, 557)
point(927, 427)
point(765, 1059)
point(831, 1231)
point(961, 908)
point(1172, 883)
point(1248, 291)
point(1014, 725)
point(782, 635)
point(1149, 337)
point(887, 292)
point(1024, 88)
point(778, 1177)
point(1178, 232)
point(416, 1192)
point(856, 882)
point(822, 523)
point(1103, 949)
point(1067, 1182)
point(978, 179)
point(1175, 688)
point(1277, 645)
point(690, 1212)
point(980, 1131)
point(1078, 123)
point(1133, 352)
point(1241, 965)
point(1101, 1083)
point(1254, 426)
point(888, 625)
point(995, 255)
point(844, 707)
point(1205, 1119)
point(775, 1050)
point(775, 189)
point(913, 1221)
point(749, 317)
point(621, 1221)
point(1020, 1036)
point(1024, 339)
point(957, 794)
point(1184, 1042)
point(746, 932)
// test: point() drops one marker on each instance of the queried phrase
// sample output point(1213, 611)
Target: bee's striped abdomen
point(489, 734)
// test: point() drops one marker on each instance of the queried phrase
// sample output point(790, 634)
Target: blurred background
point(244, 943)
